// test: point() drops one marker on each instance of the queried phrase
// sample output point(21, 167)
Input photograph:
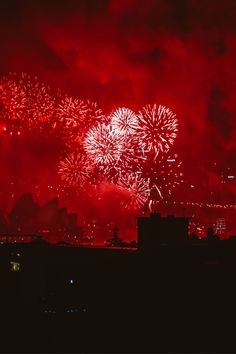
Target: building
point(155, 231)
point(220, 227)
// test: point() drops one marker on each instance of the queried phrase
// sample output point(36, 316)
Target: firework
point(26, 102)
point(74, 170)
point(112, 148)
point(79, 114)
point(40, 104)
point(128, 149)
point(164, 174)
point(70, 110)
point(104, 146)
point(92, 115)
point(12, 98)
point(157, 128)
point(119, 151)
point(125, 120)
point(137, 188)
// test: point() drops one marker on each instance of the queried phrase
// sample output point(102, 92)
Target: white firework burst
point(157, 128)
point(104, 145)
point(125, 120)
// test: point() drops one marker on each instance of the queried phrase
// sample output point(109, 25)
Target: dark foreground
point(84, 300)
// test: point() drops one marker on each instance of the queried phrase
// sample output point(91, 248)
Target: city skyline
point(119, 55)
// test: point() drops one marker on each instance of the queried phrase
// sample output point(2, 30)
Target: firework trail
point(164, 174)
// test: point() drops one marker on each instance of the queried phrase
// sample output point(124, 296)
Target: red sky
point(180, 53)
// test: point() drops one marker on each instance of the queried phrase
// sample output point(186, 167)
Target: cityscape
point(117, 176)
point(122, 296)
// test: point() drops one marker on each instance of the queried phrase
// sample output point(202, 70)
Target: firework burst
point(128, 149)
point(104, 146)
point(70, 111)
point(12, 98)
point(92, 115)
point(74, 170)
point(157, 128)
point(79, 114)
point(137, 188)
point(27, 102)
point(125, 120)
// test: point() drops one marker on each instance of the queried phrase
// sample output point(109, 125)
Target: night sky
point(180, 53)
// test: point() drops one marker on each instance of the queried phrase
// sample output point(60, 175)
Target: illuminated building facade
point(220, 227)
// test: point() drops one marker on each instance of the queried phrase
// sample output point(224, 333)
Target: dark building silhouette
point(27, 219)
point(24, 214)
point(155, 231)
point(180, 298)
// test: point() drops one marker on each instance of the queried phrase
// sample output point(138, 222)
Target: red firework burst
point(74, 170)
point(70, 110)
point(27, 102)
point(79, 114)
point(13, 98)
